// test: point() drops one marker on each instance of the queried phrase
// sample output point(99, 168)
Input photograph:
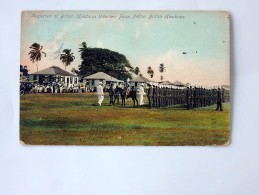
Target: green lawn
point(73, 119)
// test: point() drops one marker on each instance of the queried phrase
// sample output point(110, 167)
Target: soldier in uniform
point(167, 97)
point(170, 96)
point(199, 98)
point(188, 97)
point(191, 97)
point(117, 94)
point(162, 96)
point(150, 95)
point(195, 97)
point(219, 100)
point(155, 96)
point(158, 96)
point(111, 94)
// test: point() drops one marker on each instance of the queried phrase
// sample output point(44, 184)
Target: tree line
point(95, 60)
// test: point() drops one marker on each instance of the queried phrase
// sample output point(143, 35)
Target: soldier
point(195, 97)
point(158, 96)
point(111, 94)
point(154, 95)
point(170, 96)
point(191, 97)
point(176, 96)
point(150, 95)
point(219, 100)
point(199, 97)
point(167, 96)
point(117, 94)
point(162, 96)
point(188, 97)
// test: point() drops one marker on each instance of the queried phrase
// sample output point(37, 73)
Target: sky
point(193, 46)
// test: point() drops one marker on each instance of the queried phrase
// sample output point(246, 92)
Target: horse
point(132, 93)
point(123, 94)
point(126, 93)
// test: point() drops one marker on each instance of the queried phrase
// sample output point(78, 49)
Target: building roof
point(101, 76)
point(178, 83)
point(140, 79)
point(166, 83)
point(53, 70)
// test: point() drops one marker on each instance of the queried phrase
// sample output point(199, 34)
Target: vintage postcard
point(152, 78)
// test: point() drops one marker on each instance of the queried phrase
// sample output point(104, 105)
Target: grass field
point(73, 119)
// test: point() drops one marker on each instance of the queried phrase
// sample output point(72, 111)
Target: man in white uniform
point(141, 94)
point(100, 93)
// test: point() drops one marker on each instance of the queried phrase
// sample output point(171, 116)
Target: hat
point(142, 84)
point(100, 83)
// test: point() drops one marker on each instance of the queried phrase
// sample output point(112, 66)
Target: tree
point(104, 60)
point(161, 69)
point(67, 57)
point(83, 49)
point(150, 71)
point(35, 53)
point(136, 71)
point(73, 70)
point(161, 78)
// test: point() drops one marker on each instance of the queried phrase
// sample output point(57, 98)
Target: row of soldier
point(166, 96)
point(201, 97)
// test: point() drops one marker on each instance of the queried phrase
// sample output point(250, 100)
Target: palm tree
point(150, 71)
point(67, 57)
point(35, 53)
point(161, 78)
point(161, 69)
point(83, 49)
point(136, 71)
point(73, 70)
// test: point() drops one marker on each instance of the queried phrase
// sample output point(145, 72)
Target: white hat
point(142, 84)
point(100, 83)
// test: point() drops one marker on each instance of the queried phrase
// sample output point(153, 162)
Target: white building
point(137, 81)
point(94, 79)
point(54, 74)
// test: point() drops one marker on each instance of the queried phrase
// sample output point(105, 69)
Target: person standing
point(117, 94)
point(188, 98)
point(141, 94)
point(150, 95)
point(100, 93)
point(219, 100)
point(155, 95)
point(111, 94)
